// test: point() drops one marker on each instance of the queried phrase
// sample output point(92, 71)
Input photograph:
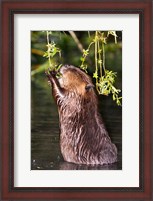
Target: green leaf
point(100, 61)
point(82, 59)
point(95, 75)
point(85, 52)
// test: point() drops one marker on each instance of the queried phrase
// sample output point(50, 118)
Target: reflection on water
point(45, 150)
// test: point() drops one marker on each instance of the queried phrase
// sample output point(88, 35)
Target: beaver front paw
point(53, 72)
point(50, 73)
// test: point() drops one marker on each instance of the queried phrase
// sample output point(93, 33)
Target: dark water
point(45, 150)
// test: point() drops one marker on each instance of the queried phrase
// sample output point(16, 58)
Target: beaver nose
point(63, 69)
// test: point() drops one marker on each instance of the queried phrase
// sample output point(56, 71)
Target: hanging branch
point(51, 52)
point(48, 45)
point(104, 83)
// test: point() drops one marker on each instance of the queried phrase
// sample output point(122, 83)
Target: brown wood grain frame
point(11, 7)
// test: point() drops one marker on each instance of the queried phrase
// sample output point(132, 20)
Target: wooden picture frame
point(8, 9)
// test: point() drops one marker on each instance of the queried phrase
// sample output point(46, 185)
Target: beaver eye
point(89, 86)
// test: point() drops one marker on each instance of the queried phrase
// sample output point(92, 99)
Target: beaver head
point(73, 90)
point(73, 79)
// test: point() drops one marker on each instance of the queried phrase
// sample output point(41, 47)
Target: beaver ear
point(89, 86)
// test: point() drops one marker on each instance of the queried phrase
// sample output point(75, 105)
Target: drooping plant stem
point(96, 65)
point(103, 50)
point(48, 45)
point(104, 82)
point(100, 59)
point(51, 52)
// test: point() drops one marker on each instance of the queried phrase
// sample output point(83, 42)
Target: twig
point(103, 47)
point(75, 38)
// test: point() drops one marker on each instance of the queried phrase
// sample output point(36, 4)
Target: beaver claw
point(51, 73)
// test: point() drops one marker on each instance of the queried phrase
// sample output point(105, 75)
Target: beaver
point(83, 136)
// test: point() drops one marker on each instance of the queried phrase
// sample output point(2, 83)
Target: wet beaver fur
point(83, 137)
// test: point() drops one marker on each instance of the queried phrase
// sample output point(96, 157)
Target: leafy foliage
point(52, 50)
point(105, 79)
point(96, 54)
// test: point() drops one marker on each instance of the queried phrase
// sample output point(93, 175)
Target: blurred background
point(45, 150)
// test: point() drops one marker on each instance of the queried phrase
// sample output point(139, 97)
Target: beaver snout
point(63, 69)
